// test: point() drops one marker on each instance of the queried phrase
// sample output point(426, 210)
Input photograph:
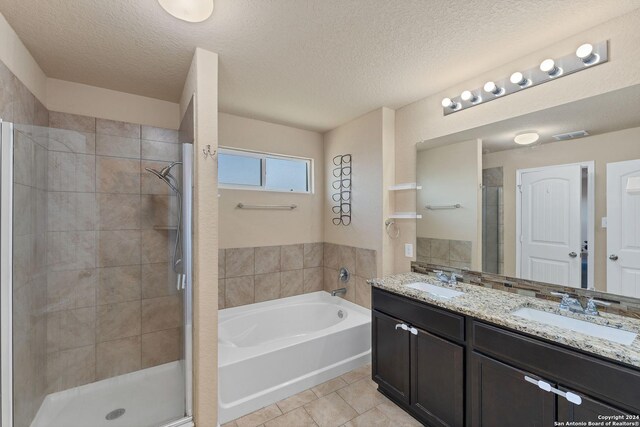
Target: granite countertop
point(496, 306)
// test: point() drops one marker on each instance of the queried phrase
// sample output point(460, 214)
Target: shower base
point(150, 397)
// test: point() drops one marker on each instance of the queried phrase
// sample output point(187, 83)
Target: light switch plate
point(604, 222)
point(408, 250)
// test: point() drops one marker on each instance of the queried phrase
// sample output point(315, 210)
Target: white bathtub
point(271, 350)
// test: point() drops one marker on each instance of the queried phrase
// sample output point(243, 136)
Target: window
point(251, 170)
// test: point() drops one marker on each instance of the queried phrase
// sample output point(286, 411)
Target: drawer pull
point(543, 385)
point(402, 326)
point(413, 330)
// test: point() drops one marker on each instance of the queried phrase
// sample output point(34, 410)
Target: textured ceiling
point(314, 64)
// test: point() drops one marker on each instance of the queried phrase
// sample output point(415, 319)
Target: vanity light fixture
point(188, 10)
point(491, 87)
point(586, 56)
point(526, 138)
point(549, 66)
point(469, 96)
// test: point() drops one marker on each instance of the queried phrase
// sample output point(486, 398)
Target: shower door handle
point(573, 254)
point(181, 281)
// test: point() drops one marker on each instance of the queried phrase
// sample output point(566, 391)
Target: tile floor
point(350, 400)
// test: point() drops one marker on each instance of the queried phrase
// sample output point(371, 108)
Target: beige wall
point(423, 120)
point(249, 228)
point(202, 82)
point(363, 139)
point(450, 175)
point(603, 149)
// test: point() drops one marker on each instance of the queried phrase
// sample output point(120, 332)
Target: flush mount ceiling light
point(586, 56)
point(188, 10)
point(526, 138)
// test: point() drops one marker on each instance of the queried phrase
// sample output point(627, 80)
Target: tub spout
point(341, 291)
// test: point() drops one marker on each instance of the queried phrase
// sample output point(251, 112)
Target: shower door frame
point(6, 270)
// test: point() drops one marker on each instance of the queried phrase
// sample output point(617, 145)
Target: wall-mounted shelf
point(405, 215)
point(405, 186)
point(165, 227)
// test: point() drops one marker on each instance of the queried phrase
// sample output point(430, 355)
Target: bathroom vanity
point(470, 360)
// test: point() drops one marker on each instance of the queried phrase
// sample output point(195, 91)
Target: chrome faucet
point(453, 280)
point(341, 291)
point(442, 276)
point(592, 306)
point(573, 305)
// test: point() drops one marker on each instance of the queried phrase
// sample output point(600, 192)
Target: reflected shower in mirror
point(551, 196)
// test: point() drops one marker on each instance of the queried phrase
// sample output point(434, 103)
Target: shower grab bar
point(438, 207)
point(283, 207)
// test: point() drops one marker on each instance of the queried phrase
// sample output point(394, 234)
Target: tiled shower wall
point(257, 274)
point(18, 105)
point(112, 304)
point(451, 253)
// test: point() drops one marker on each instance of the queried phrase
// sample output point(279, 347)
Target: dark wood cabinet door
point(390, 364)
point(500, 396)
point(437, 374)
point(588, 410)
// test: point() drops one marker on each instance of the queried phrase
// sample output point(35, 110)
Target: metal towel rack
point(276, 207)
point(439, 207)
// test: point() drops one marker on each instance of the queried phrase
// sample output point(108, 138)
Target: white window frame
point(263, 156)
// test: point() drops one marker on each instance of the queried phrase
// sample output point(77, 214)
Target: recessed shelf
point(405, 215)
point(165, 227)
point(405, 186)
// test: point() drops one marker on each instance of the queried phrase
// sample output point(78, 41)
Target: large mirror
point(552, 196)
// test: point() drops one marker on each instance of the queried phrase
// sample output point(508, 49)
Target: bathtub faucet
point(341, 291)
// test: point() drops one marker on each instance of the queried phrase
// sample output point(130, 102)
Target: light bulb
point(467, 95)
point(448, 103)
point(585, 53)
point(517, 78)
point(188, 10)
point(526, 138)
point(549, 66)
point(491, 87)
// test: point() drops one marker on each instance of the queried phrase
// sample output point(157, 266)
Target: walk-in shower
point(95, 277)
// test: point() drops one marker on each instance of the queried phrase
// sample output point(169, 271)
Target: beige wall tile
point(118, 211)
point(440, 249)
point(161, 347)
point(68, 211)
point(69, 250)
point(221, 263)
point(116, 248)
point(313, 255)
point(267, 259)
point(267, 287)
point(292, 257)
point(460, 250)
point(158, 280)
point(118, 284)
point(71, 141)
point(330, 279)
point(117, 175)
point(222, 284)
point(363, 292)
point(239, 291)
point(161, 313)
point(72, 122)
point(313, 279)
point(71, 172)
point(70, 329)
point(347, 258)
point(156, 245)
point(159, 134)
point(112, 127)
point(67, 290)
point(239, 262)
point(117, 357)
point(119, 320)
point(117, 146)
point(365, 263)
point(163, 151)
point(291, 283)
point(331, 256)
point(158, 210)
point(70, 368)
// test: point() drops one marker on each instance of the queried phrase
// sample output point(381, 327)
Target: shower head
point(164, 174)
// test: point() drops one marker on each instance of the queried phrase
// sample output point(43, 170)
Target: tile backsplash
point(452, 253)
point(256, 274)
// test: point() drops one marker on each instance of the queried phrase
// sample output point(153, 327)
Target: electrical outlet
point(408, 250)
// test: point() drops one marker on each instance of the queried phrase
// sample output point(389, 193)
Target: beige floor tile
point(230, 424)
point(372, 418)
point(397, 416)
point(259, 417)
point(330, 411)
point(296, 418)
point(361, 396)
point(329, 387)
point(296, 401)
point(357, 374)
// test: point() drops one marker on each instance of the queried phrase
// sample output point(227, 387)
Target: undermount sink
point(434, 290)
point(587, 328)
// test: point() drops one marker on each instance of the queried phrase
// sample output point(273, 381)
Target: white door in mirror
point(623, 231)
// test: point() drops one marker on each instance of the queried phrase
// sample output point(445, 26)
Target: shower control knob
point(613, 257)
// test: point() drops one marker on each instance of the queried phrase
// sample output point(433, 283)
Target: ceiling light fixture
point(586, 56)
point(526, 138)
point(188, 10)
point(549, 66)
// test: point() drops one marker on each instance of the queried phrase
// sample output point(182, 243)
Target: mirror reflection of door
point(553, 216)
point(623, 228)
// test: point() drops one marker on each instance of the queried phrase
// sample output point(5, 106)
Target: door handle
point(613, 257)
point(573, 254)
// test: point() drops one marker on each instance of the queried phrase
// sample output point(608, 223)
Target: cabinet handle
point(543, 385)
point(413, 330)
point(402, 326)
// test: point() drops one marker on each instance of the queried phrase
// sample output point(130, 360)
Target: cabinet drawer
point(429, 318)
point(603, 380)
